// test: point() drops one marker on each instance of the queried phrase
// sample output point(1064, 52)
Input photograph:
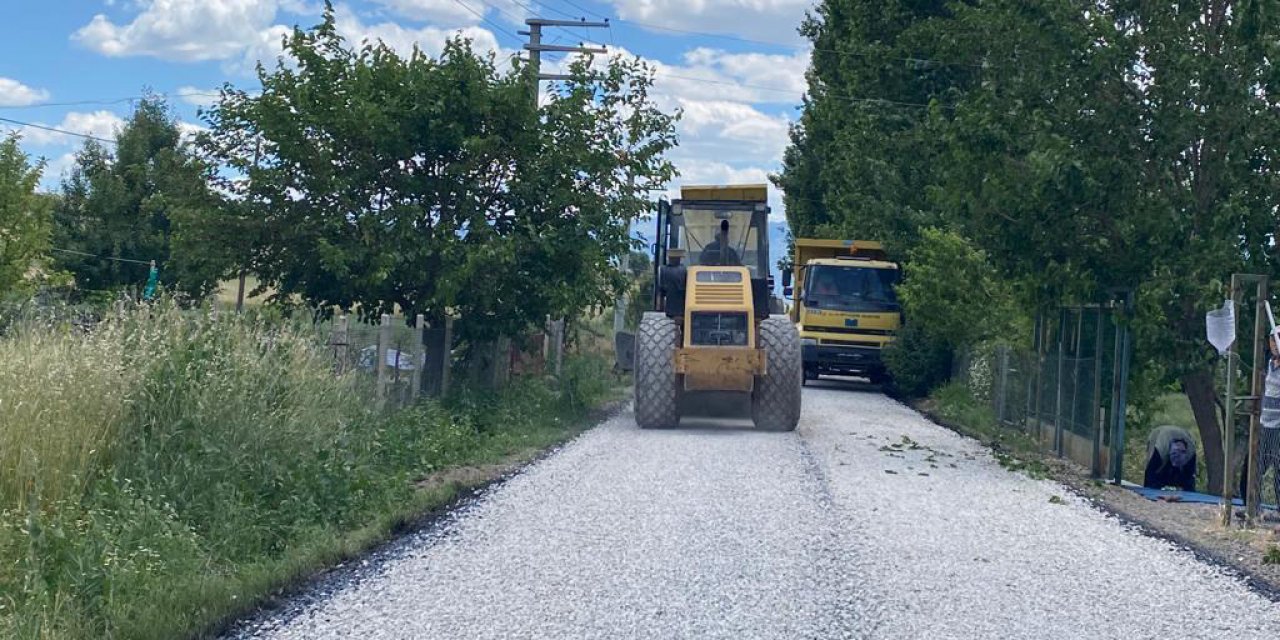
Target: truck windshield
point(702, 242)
point(851, 288)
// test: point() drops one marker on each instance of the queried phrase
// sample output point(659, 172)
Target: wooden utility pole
point(535, 47)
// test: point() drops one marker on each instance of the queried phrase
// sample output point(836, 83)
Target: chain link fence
point(1066, 391)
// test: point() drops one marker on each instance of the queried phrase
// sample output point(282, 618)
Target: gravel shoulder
point(1194, 527)
point(869, 522)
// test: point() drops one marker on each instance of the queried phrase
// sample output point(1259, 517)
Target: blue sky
point(738, 77)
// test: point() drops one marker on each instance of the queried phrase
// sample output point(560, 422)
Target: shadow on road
point(844, 383)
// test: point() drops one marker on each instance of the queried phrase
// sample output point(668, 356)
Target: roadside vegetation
point(1080, 153)
point(167, 470)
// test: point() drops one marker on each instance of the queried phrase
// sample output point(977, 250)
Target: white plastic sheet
point(1220, 325)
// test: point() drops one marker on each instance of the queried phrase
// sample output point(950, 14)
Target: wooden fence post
point(447, 356)
point(419, 358)
point(384, 342)
point(559, 344)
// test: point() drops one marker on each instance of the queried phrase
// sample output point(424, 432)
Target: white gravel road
point(718, 531)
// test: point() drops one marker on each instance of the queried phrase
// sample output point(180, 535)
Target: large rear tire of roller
point(657, 385)
point(775, 402)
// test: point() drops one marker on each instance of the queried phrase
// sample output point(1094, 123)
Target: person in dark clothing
point(1171, 459)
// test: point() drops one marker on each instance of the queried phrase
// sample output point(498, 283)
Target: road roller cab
point(712, 329)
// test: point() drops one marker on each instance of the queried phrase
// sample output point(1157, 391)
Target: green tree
point(380, 181)
point(117, 208)
point(1087, 147)
point(859, 165)
point(25, 222)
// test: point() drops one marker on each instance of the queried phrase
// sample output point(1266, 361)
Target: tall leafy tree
point(118, 205)
point(860, 160)
point(378, 181)
point(25, 222)
point(1111, 145)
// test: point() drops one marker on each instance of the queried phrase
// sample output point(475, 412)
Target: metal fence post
point(1095, 408)
point(1003, 384)
point(1253, 492)
point(339, 340)
point(1057, 383)
point(384, 342)
point(1114, 470)
point(419, 358)
point(1121, 407)
point(1039, 373)
point(1229, 423)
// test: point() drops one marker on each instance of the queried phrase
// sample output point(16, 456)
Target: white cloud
point(187, 131)
point(774, 20)
point(55, 170)
point(100, 124)
point(16, 94)
point(182, 30)
point(197, 97)
point(725, 136)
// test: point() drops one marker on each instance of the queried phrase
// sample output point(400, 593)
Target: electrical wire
point(500, 29)
point(91, 255)
point(57, 130)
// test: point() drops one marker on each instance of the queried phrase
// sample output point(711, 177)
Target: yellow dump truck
point(845, 306)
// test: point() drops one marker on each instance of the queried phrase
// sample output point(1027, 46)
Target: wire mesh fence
point(1065, 390)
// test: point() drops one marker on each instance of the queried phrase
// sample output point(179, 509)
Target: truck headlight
point(808, 342)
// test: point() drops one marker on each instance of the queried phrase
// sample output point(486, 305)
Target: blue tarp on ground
point(1183, 496)
point(1186, 496)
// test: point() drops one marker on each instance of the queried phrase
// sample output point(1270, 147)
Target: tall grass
point(167, 468)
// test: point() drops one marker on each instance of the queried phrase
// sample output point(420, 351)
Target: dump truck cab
point(846, 307)
point(711, 328)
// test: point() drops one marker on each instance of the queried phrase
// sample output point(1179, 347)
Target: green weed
point(167, 469)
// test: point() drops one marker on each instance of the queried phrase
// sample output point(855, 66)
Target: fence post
point(1003, 384)
point(1076, 358)
point(419, 358)
point(1229, 424)
point(447, 356)
point(1112, 426)
point(384, 341)
point(340, 339)
point(1057, 384)
point(560, 326)
point(1122, 406)
point(1039, 377)
point(1096, 409)
point(1253, 492)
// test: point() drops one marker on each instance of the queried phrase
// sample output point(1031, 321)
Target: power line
point(834, 96)
point(91, 255)
point(586, 10)
point(500, 29)
point(790, 45)
point(57, 130)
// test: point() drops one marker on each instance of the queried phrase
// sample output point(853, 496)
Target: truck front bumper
point(833, 359)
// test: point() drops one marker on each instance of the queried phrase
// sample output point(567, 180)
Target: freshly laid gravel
point(840, 530)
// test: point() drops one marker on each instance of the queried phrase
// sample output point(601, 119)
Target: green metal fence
point(1067, 391)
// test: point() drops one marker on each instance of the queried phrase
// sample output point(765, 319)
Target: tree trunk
point(1203, 397)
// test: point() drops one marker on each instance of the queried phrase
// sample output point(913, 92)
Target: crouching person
point(1171, 459)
